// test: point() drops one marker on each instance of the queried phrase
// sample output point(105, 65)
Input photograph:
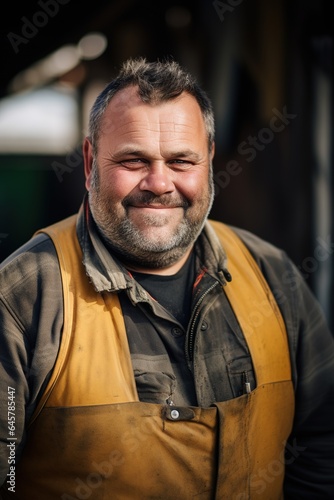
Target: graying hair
point(157, 82)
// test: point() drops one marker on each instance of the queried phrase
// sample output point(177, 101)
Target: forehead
point(126, 112)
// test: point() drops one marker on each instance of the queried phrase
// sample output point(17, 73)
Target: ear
point(212, 151)
point(87, 150)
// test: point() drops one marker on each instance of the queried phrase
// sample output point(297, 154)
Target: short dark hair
point(157, 82)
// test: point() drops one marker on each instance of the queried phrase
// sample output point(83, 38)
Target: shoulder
point(263, 251)
point(31, 317)
point(29, 278)
point(281, 274)
point(292, 292)
point(36, 256)
point(260, 248)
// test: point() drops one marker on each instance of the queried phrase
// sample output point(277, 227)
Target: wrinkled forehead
point(126, 109)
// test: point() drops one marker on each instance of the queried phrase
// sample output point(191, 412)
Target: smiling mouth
point(156, 211)
point(155, 206)
point(149, 202)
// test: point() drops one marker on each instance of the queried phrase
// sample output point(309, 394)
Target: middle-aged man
point(148, 352)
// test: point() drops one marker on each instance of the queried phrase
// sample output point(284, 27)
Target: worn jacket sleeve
point(30, 328)
point(310, 449)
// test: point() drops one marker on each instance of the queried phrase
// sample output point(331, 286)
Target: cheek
point(119, 184)
point(194, 186)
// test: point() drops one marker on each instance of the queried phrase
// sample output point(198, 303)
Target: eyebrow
point(186, 153)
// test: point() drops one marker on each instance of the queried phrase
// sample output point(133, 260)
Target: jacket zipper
point(190, 344)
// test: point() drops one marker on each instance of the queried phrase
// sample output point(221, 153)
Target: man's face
point(149, 186)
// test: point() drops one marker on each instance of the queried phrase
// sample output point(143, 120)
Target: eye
point(180, 164)
point(133, 163)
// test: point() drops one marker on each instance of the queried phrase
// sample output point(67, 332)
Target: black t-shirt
point(173, 292)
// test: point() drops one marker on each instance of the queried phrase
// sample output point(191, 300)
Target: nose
point(158, 179)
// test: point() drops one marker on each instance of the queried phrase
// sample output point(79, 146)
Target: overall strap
point(256, 309)
point(93, 332)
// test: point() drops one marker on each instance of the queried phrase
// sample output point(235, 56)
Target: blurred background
point(267, 66)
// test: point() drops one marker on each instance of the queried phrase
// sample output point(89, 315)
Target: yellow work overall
point(91, 437)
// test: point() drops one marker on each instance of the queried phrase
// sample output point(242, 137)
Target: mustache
point(148, 198)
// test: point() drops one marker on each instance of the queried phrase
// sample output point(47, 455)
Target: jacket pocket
point(241, 376)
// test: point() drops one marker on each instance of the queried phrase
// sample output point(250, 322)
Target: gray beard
point(131, 248)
